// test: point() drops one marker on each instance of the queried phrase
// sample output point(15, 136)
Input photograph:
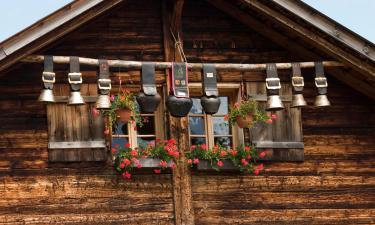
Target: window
point(210, 129)
point(153, 127)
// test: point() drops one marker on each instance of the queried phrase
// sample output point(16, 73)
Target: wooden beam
point(183, 203)
point(311, 37)
point(167, 65)
point(289, 45)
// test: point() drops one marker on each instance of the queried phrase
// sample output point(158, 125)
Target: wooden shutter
point(74, 134)
point(284, 138)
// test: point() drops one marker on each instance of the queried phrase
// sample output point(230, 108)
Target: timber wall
point(334, 185)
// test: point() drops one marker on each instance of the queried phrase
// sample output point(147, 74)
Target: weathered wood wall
point(335, 184)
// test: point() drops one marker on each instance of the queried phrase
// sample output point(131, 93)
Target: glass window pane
point(224, 106)
point(143, 141)
point(223, 141)
point(148, 125)
point(196, 125)
point(198, 141)
point(197, 107)
point(121, 128)
point(221, 127)
point(119, 142)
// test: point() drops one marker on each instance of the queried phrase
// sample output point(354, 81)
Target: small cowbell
point(148, 103)
point(210, 104)
point(46, 96)
point(103, 102)
point(298, 101)
point(274, 103)
point(75, 98)
point(179, 107)
point(321, 101)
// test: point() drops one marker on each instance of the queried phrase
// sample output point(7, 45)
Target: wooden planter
point(124, 115)
point(205, 165)
point(244, 122)
point(151, 163)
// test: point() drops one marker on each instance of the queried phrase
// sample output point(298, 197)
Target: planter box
point(151, 163)
point(206, 165)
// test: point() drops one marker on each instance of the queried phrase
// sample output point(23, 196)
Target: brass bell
point(298, 101)
point(46, 96)
point(321, 101)
point(103, 102)
point(75, 98)
point(274, 103)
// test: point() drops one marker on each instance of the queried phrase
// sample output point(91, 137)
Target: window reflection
point(144, 141)
point(119, 142)
point(198, 140)
point(223, 141)
point(121, 128)
point(221, 127)
point(223, 109)
point(196, 125)
point(197, 107)
point(148, 126)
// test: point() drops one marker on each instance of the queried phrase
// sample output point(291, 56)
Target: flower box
point(205, 165)
point(152, 163)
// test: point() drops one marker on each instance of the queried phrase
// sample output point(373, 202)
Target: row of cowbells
point(273, 86)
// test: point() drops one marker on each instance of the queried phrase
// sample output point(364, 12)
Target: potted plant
point(243, 158)
point(158, 155)
point(246, 113)
point(123, 109)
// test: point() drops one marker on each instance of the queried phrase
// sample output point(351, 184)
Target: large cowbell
point(148, 99)
point(179, 103)
point(210, 101)
point(104, 86)
point(48, 78)
point(273, 86)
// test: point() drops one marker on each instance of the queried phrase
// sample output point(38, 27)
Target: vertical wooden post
point(183, 207)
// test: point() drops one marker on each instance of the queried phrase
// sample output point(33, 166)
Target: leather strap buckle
point(48, 77)
point(75, 78)
point(104, 84)
point(321, 82)
point(298, 82)
point(273, 86)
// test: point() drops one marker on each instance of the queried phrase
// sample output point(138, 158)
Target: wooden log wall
point(334, 185)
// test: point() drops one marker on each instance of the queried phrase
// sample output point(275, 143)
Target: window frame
point(231, 90)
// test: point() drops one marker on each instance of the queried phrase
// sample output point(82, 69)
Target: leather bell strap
point(104, 83)
point(148, 79)
point(210, 80)
point(48, 76)
point(75, 77)
point(297, 79)
point(272, 80)
point(320, 79)
point(179, 80)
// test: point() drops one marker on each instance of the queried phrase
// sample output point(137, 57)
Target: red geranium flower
point(127, 145)
point(273, 116)
point(157, 171)
point(190, 161)
point(269, 121)
point(134, 153)
point(262, 154)
point(220, 163)
point(196, 161)
point(113, 150)
point(256, 172)
point(126, 175)
point(223, 153)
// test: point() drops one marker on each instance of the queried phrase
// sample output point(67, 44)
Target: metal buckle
point(278, 86)
point(321, 79)
point(106, 83)
point(48, 74)
point(75, 81)
point(298, 82)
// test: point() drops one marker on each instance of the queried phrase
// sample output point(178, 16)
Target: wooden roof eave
point(28, 41)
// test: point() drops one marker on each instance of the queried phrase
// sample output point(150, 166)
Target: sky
point(357, 15)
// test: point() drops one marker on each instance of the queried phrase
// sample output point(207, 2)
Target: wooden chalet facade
point(328, 179)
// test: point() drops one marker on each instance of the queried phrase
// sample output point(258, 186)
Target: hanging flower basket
point(246, 121)
point(247, 113)
point(124, 115)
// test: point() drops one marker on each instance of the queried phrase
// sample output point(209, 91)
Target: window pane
point(221, 127)
point(197, 107)
point(119, 142)
point(143, 141)
point(224, 106)
point(148, 125)
point(223, 141)
point(122, 128)
point(198, 141)
point(196, 125)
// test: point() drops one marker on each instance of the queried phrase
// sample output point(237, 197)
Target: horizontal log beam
point(166, 65)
